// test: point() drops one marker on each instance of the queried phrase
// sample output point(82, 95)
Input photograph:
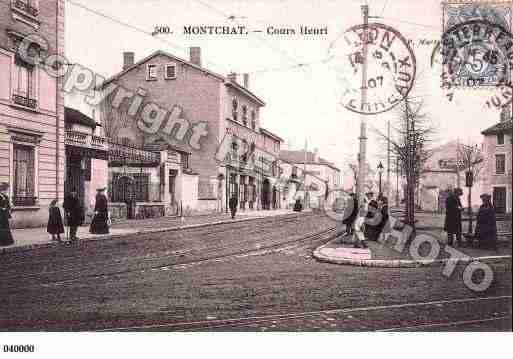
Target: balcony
point(25, 7)
point(24, 101)
point(24, 201)
point(81, 139)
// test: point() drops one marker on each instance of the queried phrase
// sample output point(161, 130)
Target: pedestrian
point(6, 238)
point(350, 213)
point(298, 207)
point(233, 203)
point(486, 227)
point(359, 228)
point(55, 226)
point(74, 213)
point(453, 209)
point(372, 223)
point(100, 222)
point(383, 206)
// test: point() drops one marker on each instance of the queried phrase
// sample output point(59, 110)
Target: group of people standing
point(74, 215)
point(366, 222)
point(486, 223)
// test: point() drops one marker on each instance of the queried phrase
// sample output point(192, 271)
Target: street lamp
point(380, 172)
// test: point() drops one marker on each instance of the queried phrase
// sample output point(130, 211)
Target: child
point(55, 226)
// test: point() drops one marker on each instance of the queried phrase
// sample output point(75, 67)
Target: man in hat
point(99, 224)
point(74, 213)
point(5, 214)
point(453, 209)
point(233, 203)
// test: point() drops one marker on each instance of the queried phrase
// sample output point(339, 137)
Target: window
point(253, 119)
point(235, 106)
point(141, 187)
point(185, 161)
point(26, 7)
point(151, 74)
point(24, 85)
point(170, 72)
point(500, 138)
point(24, 168)
point(500, 164)
point(244, 115)
point(294, 172)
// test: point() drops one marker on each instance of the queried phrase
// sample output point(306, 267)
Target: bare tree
point(369, 182)
point(410, 142)
point(472, 161)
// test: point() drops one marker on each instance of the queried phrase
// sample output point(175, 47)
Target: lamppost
point(380, 172)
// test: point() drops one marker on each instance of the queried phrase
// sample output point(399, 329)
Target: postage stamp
point(387, 75)
point(476, 44)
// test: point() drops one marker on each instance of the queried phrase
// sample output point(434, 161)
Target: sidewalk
point(31, 238)
point(382, 254)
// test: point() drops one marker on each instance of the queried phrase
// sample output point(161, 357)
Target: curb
point(403, 263)
point(30, 247)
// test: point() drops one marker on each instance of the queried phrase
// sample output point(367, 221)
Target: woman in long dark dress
point(5, 214)
point(55, 226)
point(486, 228)
point(100, 225)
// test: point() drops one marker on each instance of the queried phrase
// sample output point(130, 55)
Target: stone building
point(212, 117)
point(309, 174)
point(444, 171)
point(86, 157)
point(497, 178)
point(32, 151)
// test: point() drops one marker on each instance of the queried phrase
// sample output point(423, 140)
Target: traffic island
point(383, 254)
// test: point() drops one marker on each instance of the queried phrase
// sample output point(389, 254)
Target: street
point(255, 276)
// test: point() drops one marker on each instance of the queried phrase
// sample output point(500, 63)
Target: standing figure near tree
point(99, 224)
point(486, 228)
point(453, 209)
point(5, 214)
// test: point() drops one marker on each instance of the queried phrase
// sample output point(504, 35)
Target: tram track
point(175, 259)
point(266, 321)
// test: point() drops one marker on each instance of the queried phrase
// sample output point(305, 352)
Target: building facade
point(497, 177)
point(32, 151)
point(224, 113)
point(311, 178)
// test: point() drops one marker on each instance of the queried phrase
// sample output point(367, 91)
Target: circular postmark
point(476, 53)
point(389, 73)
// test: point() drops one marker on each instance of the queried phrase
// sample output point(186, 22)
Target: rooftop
point(298, 157)
point(501, 127)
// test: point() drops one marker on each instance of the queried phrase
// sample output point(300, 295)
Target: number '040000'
point(18, 348)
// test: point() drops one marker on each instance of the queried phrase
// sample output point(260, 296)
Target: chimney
point(232, 76)
point(195, 55)
point(246, 81)
point(128, 59)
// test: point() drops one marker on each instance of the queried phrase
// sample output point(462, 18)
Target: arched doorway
point(266, 194)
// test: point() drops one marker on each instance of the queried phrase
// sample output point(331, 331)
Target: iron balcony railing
point(81, 139)
point(24, 101)
point(26, 7)
point(24, 201)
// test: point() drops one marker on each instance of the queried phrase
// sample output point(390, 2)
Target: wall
point(197, 92)
point(187, 194)
point(44, 120)
point(489, 177)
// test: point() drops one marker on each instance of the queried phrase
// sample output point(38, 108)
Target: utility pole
point(363, 119)
point(388, 161)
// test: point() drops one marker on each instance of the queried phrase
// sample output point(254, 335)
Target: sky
point(302, 101)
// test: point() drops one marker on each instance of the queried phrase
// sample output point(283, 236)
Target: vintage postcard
point(253, 166)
